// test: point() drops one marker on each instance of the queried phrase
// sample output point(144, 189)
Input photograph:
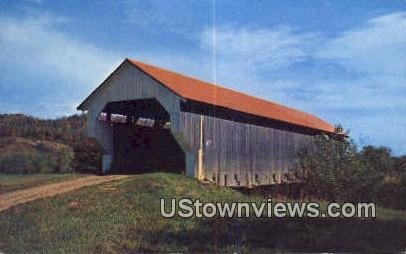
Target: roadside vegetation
point(124, 216)
point(335, 170)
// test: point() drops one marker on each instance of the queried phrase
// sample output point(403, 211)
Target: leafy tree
point(331, 168)
point(377, 158)
point(399, 164)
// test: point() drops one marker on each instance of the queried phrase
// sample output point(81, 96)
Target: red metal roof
point(201, 91)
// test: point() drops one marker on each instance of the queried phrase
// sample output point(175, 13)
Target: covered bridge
point(146, 119)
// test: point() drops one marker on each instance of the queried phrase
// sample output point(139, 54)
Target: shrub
point(86, 157)
point(333, 169)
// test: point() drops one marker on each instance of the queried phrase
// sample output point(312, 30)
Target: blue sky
point(344, 61)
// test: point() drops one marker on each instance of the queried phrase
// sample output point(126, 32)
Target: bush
point(333, 169)
point(329, 169)
point(86, 158)
point(392, 192)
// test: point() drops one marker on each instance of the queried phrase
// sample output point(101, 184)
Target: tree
point(329, 168)
point(377, 158)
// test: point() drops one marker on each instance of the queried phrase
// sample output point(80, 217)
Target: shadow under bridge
point(142, 139)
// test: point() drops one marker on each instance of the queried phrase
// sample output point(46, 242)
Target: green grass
point(123, 216)
point(12, 182)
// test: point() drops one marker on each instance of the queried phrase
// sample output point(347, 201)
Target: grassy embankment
point(124, 216)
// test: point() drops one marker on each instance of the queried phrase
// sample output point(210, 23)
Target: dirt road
point(10, 199)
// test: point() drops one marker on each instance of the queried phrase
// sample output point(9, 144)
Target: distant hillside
point(25, 138)
point(11, 145)
point(65, 130)
point(21, 155)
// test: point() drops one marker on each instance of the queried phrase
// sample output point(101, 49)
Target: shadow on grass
point(297, 235)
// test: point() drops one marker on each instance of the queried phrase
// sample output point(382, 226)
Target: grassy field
point(12, 182)
point(124, 216)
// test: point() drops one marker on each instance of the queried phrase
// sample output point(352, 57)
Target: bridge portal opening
point(142, 139)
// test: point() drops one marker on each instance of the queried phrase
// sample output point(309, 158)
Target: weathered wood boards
point(241, 154)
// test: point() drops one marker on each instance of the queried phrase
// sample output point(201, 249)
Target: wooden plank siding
point(129, 83)
point(241, 154)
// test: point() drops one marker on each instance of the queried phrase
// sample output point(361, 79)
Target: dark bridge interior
point(139, 147)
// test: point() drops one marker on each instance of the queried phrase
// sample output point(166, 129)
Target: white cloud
point(268, 48)
point(376, 54)
point(34, 44)
point(377, 47)
point(243, 55)
point(371, 99)
point(164, 16)
point(47, 72)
